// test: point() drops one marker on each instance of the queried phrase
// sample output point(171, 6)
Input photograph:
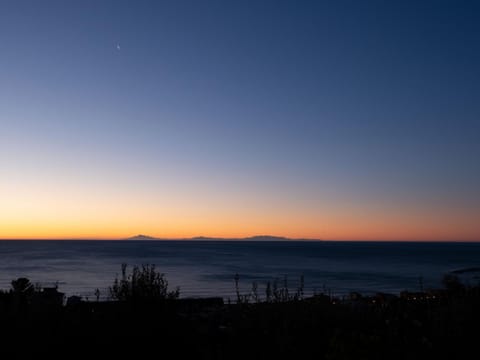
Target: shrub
point(143, 284)
point(273, 292)
point(22, 286)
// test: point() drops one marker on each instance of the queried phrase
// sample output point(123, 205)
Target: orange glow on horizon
point(72, 211)
point(329, 229)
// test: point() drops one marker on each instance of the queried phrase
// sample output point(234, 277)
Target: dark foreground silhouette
point(147, 320)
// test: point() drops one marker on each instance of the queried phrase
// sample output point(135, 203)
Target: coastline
point(409, 326)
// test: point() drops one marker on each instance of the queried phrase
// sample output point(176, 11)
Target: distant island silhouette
point(206, 238)
point(249, 238)
point(142, 237)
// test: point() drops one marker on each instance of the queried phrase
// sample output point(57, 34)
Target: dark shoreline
point(434, 324)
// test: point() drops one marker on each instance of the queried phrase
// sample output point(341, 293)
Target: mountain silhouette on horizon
point(141, 237)
point(208, 238)
point(248, 238)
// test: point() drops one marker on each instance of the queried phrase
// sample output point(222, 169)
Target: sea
point(203, 268)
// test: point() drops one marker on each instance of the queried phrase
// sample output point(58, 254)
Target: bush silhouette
point(273, 292)
point(143, 284)
point(22, 286)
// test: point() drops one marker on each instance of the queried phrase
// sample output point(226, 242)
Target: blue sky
point(314, 105)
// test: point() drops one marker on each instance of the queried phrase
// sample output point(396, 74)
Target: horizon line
point(217, 238)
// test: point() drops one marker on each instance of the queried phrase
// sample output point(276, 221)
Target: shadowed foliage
point(144, 283)
point(22, 286)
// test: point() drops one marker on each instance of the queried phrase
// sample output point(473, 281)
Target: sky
point(341, 120)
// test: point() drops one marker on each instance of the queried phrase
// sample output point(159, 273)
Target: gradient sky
point(322, 119)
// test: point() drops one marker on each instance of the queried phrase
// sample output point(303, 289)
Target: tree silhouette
point(22, 286)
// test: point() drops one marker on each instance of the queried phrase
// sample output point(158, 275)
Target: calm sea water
point(207, 268)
